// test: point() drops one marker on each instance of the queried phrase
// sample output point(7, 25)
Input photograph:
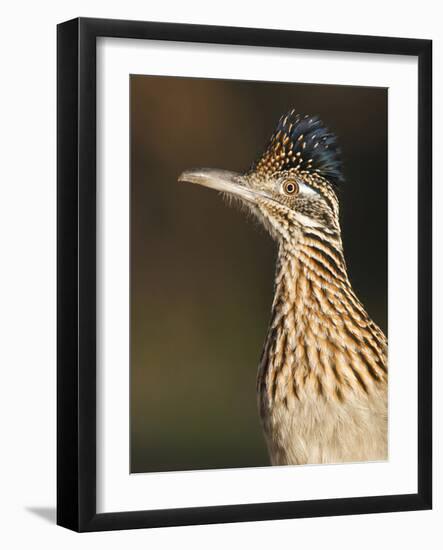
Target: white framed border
point(117, 490)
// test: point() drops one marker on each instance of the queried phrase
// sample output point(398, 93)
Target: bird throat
point(321, 343)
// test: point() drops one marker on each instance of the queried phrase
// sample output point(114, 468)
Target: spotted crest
point(302, 143)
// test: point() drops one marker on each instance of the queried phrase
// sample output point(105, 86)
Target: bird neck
point(315, 254)
point(320, 337)
point(310, 272)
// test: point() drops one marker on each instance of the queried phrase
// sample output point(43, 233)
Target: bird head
point(292, 187)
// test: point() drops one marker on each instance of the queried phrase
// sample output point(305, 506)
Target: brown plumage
point(322, 378)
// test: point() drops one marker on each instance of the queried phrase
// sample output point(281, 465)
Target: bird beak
point(220, 180)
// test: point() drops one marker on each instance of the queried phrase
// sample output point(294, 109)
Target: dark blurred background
point(202, 272)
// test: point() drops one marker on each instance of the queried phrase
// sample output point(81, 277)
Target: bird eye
point(290, 187)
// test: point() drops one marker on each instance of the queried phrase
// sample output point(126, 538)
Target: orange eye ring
point(290, 187)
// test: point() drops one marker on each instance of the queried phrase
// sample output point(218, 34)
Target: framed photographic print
point(244, 223)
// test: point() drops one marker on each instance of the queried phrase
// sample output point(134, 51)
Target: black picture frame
point(76, 274)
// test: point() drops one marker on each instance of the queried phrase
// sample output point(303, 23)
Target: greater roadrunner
point(322, 379)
